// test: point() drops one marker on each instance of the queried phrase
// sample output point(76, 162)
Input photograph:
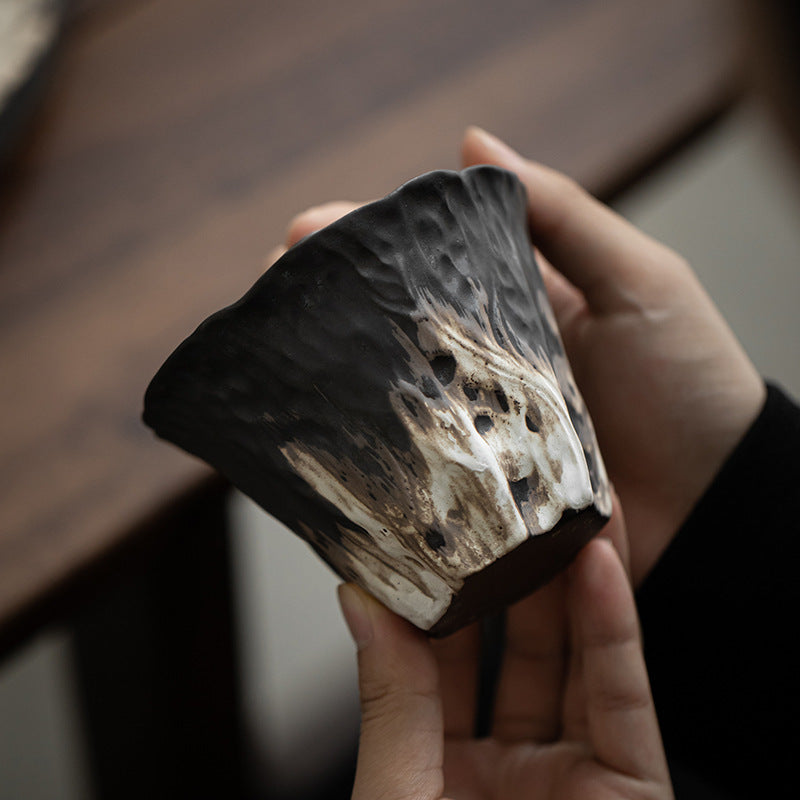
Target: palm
point(629, 374)
point(642, 365)
point(557, 771)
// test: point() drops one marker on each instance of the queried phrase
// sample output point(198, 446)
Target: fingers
point(528, 705)
point(273, 256)
point(574, 708)
point(457, 657)
point(616, 531)
point(566, 301)
point(611, 262)
point(309, 221)
point(401, 747)
point(313, 219)
point(621, 722)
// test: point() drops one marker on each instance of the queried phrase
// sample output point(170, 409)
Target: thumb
point(610, 261)
point(402, 734)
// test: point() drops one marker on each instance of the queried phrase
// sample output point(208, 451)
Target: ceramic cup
point(394, 389)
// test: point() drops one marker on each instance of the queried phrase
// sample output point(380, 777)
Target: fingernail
point(356, 614)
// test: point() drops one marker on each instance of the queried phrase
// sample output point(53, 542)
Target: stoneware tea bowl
point(395, 391)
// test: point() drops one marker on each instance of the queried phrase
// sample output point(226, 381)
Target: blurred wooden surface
point(178, 139)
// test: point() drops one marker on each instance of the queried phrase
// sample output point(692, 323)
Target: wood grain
point(179, 138)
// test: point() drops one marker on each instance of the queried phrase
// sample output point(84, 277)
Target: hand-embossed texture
point(394, 390)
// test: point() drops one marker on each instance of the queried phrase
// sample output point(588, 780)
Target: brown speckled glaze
point(394, 390)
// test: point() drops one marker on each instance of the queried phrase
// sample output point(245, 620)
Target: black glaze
point(309, 353)
point(512, 577)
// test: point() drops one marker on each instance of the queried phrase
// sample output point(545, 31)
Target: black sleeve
point(719, 619)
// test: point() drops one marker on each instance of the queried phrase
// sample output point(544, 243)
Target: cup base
point(519, 573)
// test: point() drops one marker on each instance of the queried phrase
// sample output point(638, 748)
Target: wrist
point(730, 413)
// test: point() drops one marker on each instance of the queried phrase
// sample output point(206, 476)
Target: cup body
point(394, 389)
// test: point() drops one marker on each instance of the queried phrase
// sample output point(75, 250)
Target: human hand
point(574, 717)
point(669, 388)
point(420, 697)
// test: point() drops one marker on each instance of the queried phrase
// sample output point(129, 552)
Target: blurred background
point(153, 152)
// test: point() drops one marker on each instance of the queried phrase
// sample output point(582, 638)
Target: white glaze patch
point(552, 455)
point(446, 508)
point(569, 388)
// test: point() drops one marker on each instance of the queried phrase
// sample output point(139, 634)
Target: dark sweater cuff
point(718, 615)
point(753, 488)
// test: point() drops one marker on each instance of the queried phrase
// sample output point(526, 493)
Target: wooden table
point(178, 138)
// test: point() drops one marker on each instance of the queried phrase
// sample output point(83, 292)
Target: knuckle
point(302, 224)
point(316, 217)
point(673, 261)
point(383, 700)
point(620, 700)
point(567, 197)
point(668, 279)
point(567, 188)
point(380, 700)
point(377, 692)
point(679, 262)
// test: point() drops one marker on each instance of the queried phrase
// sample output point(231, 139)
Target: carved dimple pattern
point(395, 391)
